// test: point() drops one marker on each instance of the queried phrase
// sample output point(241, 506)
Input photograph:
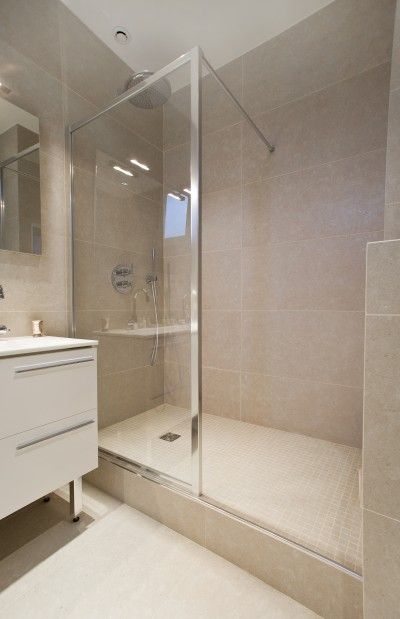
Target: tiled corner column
point(381, 466)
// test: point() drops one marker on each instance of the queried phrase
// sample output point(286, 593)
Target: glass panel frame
point(193, 59)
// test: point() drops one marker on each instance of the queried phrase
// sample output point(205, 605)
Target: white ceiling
point(162, 30)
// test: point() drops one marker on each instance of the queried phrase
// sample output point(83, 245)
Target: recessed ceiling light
point(140, 165)
point(121, 35)
point(119, 169)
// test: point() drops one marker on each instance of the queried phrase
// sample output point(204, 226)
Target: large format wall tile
point(329, 412)
point(383, 268)
point(382, 416)
point(340, 121)
point(222, 211)
point(128, 393)
point(274, 73)
point(221, 392)
point(326, 274)
point(221, 272)
point(381, 542)
point(222, 158)
point(222, 339)
point(339, 198)
point(32, 29)
point(38, 93)
point(323, 346)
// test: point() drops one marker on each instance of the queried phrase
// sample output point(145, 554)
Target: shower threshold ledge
point(301, 488)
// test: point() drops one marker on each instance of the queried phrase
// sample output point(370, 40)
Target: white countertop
point(146, 331)
point(27, 344)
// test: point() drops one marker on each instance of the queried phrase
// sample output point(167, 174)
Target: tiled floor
point(117, 564)
point(303, 488)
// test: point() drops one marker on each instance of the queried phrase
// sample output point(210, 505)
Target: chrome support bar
point(245, 115)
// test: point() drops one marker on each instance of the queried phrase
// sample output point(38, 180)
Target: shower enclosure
point(157, 192)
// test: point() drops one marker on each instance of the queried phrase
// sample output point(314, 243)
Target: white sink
point(29, 344)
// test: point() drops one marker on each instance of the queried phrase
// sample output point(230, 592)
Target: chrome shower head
point(154, 96)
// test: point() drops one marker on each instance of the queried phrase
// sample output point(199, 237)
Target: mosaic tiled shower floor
point(303, 488)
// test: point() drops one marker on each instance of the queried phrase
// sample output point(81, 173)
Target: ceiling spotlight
point(140, 165)
point(121, 35)
point(119, 169)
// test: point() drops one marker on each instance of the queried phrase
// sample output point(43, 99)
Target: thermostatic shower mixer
point(122, 278)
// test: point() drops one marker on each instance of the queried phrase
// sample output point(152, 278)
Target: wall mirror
point(20, 219)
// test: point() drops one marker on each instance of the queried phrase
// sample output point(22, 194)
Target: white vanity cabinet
point(48, 418)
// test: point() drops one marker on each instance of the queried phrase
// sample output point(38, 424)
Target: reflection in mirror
point(20, 219)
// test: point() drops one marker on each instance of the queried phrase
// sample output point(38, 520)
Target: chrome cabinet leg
point(75, 498)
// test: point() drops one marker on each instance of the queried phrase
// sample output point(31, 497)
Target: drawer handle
point(54, 434)
point(51, 364)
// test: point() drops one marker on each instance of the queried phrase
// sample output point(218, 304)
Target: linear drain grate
point(169, 436)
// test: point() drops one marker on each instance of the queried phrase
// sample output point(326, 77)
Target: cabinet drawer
point(41, 388)
point(37, 462)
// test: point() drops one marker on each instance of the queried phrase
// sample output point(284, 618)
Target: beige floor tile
point(127, 564)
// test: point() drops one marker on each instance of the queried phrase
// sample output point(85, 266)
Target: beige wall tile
point(32, 28)
point(129, 393)
point(340, 121)
point(273, 74)
point(182, 514)
point(121, 353)
point(93, 267)
point(395, 76)
point(381, 468)
point(78, 42)
point(177, 168)
point(221, 271)
point(177, 271)
point(33, 282)
point(222, 339)
point(339, 198)
point(393, 175)
point(126, 220)
point(84, 191)
point(320, 586)
point(177, 114)
point(383, 297)
point(217, 108)
point(221, 392)
point(392, 221)
point(222, 158)
point(315, 274)
point(177, 384)
point(37, 92)
point(20, 322)
point(324, 346)
point(381, 566)
point(329, 412)
point(222, 219)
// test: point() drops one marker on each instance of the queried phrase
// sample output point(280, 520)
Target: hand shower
point(151, 279)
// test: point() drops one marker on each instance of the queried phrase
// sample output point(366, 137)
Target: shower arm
point(232, 97)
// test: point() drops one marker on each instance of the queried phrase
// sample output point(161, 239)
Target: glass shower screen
point(135, 232)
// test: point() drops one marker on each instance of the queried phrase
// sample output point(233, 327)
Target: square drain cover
point(170, 436)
